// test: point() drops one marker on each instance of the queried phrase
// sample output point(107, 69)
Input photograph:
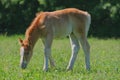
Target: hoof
point(69, 69)
point(88, 69)
point(45, 70)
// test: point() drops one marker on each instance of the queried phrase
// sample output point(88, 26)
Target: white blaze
point(21, 54)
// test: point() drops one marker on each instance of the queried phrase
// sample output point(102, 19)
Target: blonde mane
point(34, 26)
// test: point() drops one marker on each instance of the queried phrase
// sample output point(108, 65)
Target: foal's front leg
point(46, 57)
point(47, 52)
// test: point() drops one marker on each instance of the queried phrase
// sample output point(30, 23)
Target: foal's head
point(25, 53)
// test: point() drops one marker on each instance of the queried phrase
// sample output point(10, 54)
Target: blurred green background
point(16, 15)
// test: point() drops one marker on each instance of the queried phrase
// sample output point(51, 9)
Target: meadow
point(105, 61)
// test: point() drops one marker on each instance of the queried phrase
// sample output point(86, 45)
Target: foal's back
point(64, 22)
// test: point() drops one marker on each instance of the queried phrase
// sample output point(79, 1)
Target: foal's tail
point(88, 22)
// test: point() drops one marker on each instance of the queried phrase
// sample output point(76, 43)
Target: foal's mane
point(34, 25)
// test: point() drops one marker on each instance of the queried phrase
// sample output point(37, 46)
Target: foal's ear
point(38, 13)
point(20, 41)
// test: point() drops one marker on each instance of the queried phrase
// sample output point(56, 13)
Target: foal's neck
point(32, 36)
point(33, 33)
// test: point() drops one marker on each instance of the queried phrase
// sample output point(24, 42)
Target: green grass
point(105, 61)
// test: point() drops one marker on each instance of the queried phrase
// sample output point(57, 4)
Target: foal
point(49, 25)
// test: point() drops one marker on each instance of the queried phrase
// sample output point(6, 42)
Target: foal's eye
point(26, 53)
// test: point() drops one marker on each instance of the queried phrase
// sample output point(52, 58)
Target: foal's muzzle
point(23, 65)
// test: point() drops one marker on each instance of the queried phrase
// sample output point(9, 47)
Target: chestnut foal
point(49, 25)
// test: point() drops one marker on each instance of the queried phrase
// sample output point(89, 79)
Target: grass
point(105, 61)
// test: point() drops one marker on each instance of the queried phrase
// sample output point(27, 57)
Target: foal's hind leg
point(75, 48)
point(86, 49)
